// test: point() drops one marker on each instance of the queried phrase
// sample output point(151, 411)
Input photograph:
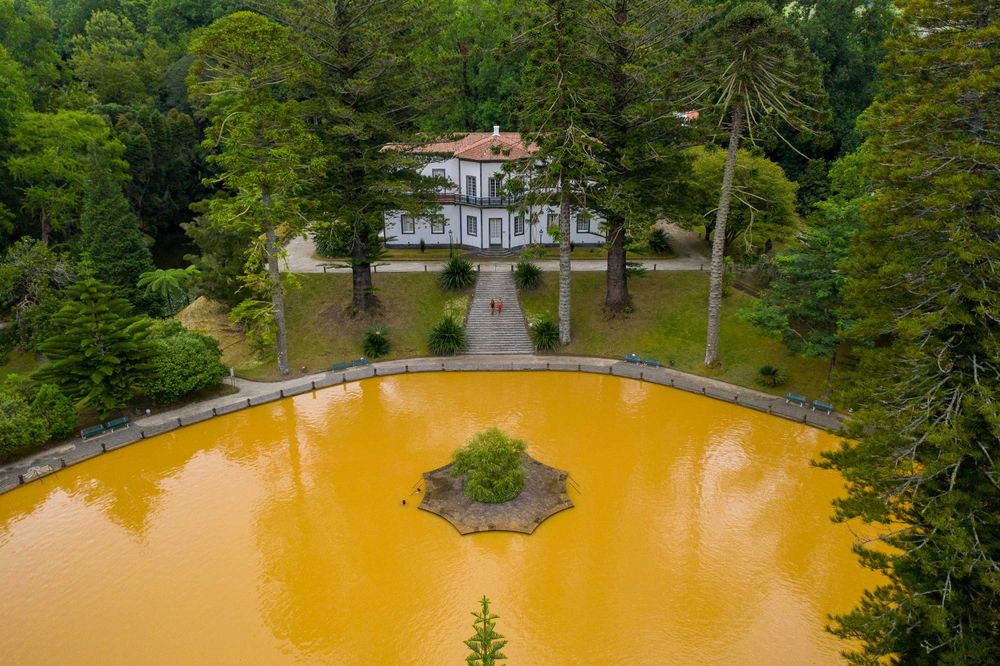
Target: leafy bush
point(527, 275)
point(635, 269)
point(376, 343)
point(658, 241)
point(447, 337)
point(457, 274)
point(183, 362)
point(31, 415)
point(545, 334)
point(494, 465)
point(533, 251)
point(55, 410)
point(771, 376)
point(20, 427)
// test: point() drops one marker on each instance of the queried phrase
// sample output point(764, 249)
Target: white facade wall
point(456, 216)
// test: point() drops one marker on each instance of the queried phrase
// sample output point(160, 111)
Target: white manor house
point(476, 213)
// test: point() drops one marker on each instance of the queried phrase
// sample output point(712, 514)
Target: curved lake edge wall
point(78, 450)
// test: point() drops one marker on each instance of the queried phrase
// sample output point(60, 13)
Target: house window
point(553, 222)
point(472, 225)
point(437, 226)
point(519, 225)
point(496, 186)
point(407, 224)
point(583, 223)
point(439, 173)
point(470, 186)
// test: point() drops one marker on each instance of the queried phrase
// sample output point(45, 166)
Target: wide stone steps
point(504, 333)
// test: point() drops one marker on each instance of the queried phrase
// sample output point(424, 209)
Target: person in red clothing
point(500, 306)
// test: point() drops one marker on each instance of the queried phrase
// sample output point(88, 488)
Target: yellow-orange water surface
point(700, 535)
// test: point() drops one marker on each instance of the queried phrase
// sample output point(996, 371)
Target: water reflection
point(276, 534)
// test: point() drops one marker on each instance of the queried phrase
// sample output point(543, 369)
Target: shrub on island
point(493, 465)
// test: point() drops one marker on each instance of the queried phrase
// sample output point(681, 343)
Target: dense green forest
point(845, 152)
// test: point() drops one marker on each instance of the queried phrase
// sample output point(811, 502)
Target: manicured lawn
point(321, 330)
point(669, 322)
point(404, 254)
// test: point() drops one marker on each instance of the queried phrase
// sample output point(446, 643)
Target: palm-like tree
point(168, 283)
point(751, 65)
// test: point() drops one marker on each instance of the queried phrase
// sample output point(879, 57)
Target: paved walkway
point(496, 331)
point(52, 459)
point(690, 249)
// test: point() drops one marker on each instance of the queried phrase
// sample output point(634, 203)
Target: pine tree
point(631, 45)
point(110, 238)
point(750, 65)
point(248, 68)
point(565, 165)
point(486, 643)
point(371, 89)
point(924, 283)
point(101, 352)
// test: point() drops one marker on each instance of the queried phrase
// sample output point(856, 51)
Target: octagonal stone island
point(544, 495)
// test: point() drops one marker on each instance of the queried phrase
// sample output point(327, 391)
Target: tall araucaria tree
point(554, 113)
point(634, 117)
point(923, 280)
point(749, 66)
point(372, 87)
point(248, 68)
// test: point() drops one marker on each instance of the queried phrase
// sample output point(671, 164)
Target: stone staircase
point(496, 334)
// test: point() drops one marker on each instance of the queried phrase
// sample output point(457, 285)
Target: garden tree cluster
point(480, 67)
point(486, 644)
point(33, 278)
point(752, 67)
point(493, 466)
point(31, 414)
point(53, 155)
point(248, 70)
point(762, 209)
point(804, 304)
point(923, 283)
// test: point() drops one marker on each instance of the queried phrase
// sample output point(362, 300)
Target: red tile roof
point(483, 147)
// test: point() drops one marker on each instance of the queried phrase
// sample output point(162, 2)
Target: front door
point(496, 235)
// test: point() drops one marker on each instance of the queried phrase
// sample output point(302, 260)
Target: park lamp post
point(451, 250)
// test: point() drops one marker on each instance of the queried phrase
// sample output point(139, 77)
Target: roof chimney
point(496, 130)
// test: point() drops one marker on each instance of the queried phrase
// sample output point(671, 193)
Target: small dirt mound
point(212, 318)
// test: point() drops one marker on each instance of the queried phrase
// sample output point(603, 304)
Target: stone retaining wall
point(78, 450)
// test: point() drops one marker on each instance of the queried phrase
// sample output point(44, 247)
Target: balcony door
point(496, 231)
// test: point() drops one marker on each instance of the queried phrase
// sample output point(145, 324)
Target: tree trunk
point(277, 295)
point(617, 297)
point(719, 243)
point(46, 229)
point(564, 263)
point(362, 294)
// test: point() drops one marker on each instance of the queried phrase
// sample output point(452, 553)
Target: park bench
point(339, 367)
point(359, 362)
point(633, 358)
point(117, 423)
point(653, 363)
point(92, 431)
point(822, 406)
point(796, 399)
